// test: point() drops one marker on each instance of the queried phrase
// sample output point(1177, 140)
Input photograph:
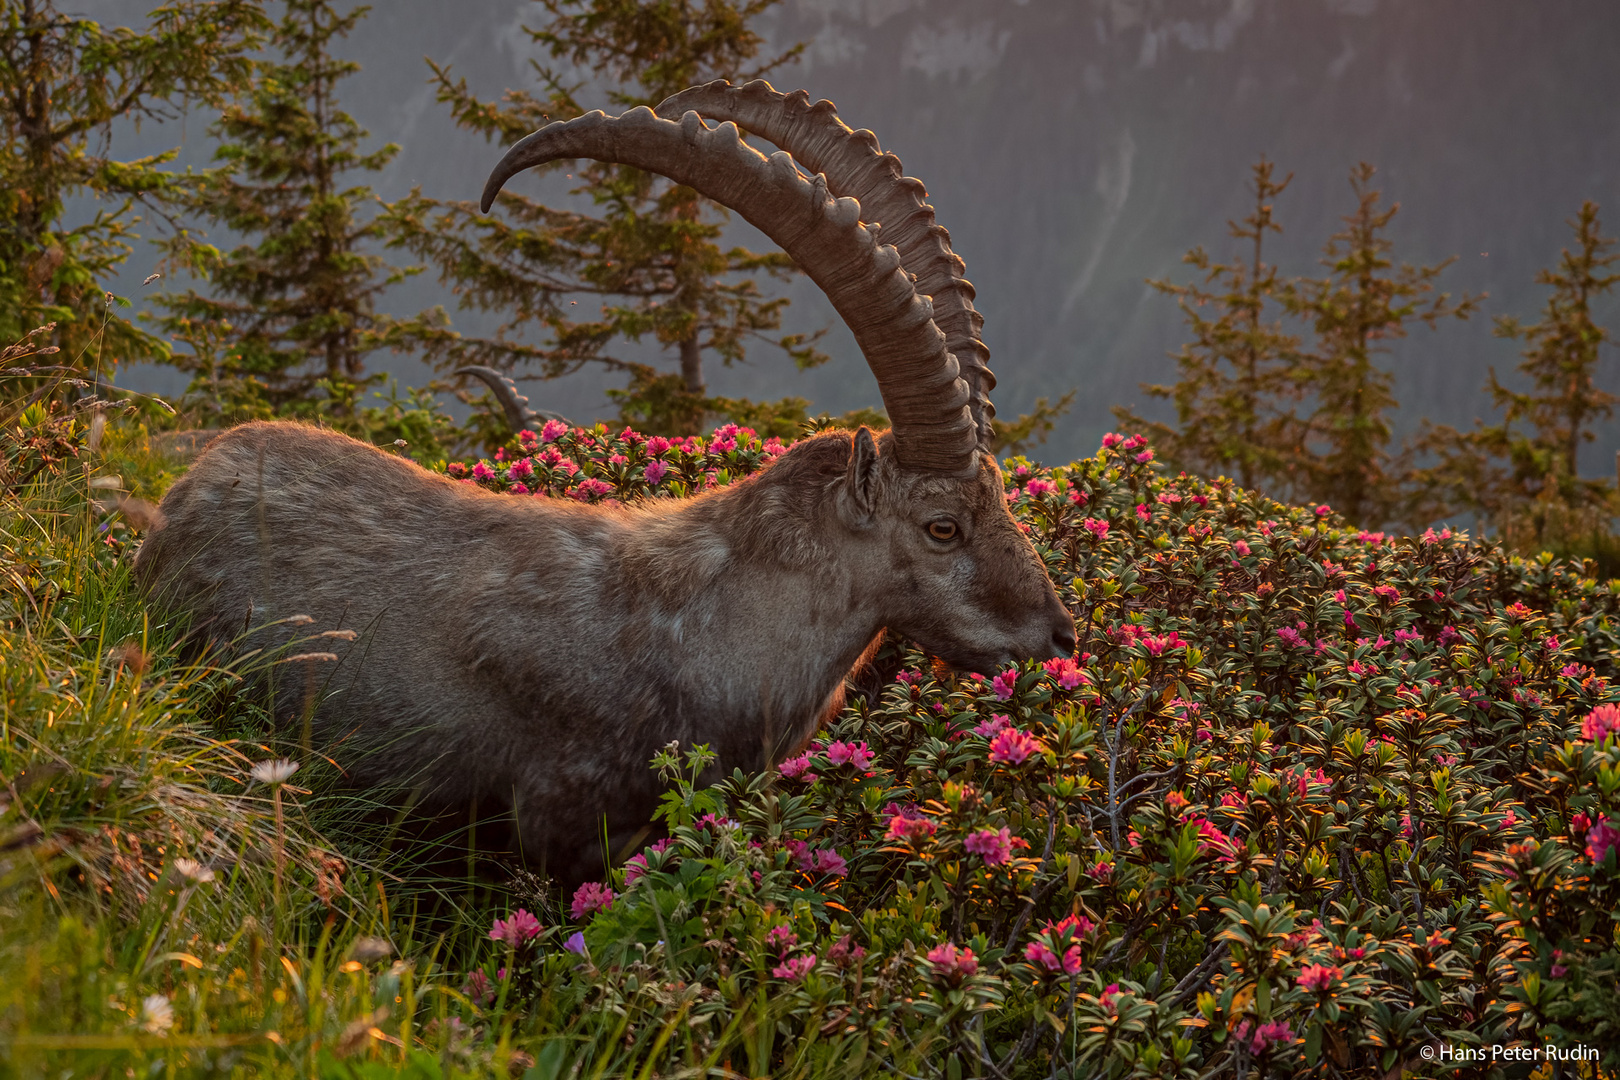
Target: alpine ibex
point(533, 653)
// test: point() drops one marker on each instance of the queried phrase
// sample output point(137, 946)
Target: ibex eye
point(942, 530)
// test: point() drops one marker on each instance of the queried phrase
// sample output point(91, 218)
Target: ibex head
point(923, 507)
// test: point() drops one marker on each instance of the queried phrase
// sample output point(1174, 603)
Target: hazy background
point(1076, 147)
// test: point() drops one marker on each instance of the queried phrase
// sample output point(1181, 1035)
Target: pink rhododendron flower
point(1101, 871)
point(797, 768)
point(843, 953)
point(591, 488)
point(1304, 779)
point(857, 754)
point(1211, 841)
point(1291, 637)
point(795, 969)
point(1241, 548)
point(657, 445)
point(1014, 747)
point(911, 828)
point(1037, 487)
point(1144, 457)
point(655, 472)
point(636, 865)
point(1323, 510)
point(909, 823)
point(589, 898)
point(481, 471)
point(1042, 956)
point(520, 488)
point(1143, 513)
point(479, 988)
point(1133, 442)
point(994, 726)
point(516, 930)
point(1078, 497)
point(830, 862)
point(716, 822)
point(521, 469)
point(1098, 529)
point(781, 938)
point(1601, 722)
point(953, 964)
point(995, 847)
point(1265, 1036)
point(1318, 978)
point(552, 430)
point(1158, 644)
point(1112, 439)
point(1601, 839)
point(1066, 672)
point(1005, 684)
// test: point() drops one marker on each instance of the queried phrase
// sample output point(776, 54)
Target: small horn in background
point(516, 407)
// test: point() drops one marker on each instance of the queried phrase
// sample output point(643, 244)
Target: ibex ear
point(860, 479)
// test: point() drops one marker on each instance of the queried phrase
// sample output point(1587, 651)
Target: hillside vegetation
point(1308, 800)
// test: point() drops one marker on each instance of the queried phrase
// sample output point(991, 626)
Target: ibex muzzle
point(533, 653)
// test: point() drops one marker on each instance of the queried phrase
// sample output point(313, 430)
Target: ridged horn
point(922, 388)
point(856, 167)
point(516, 407)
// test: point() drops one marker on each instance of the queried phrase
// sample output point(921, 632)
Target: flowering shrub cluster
point(1308, 800)
point(593, 465)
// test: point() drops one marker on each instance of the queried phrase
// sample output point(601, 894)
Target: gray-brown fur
point(533, 653)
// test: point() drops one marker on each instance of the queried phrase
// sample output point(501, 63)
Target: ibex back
point(533, 653)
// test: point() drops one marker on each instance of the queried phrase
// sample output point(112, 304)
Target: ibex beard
point(530, 654)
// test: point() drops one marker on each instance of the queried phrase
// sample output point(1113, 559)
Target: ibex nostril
point(1065, 642)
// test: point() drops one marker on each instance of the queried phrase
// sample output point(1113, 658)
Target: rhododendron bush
point(1307, 800)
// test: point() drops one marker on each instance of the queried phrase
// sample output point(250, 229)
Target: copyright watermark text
point(1456, 1054)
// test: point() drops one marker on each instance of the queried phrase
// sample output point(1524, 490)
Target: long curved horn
point(516, 407)
point(919, 379)
point(855, 166)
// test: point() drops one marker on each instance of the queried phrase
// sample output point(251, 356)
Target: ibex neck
point(750, 645)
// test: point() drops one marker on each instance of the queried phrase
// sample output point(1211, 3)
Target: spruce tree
point(64, 80)
point(1522, 474)
point(1239, 379)
point(290, 315)
point(1560, 358)
point(1363, 304)
point(648, 261)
